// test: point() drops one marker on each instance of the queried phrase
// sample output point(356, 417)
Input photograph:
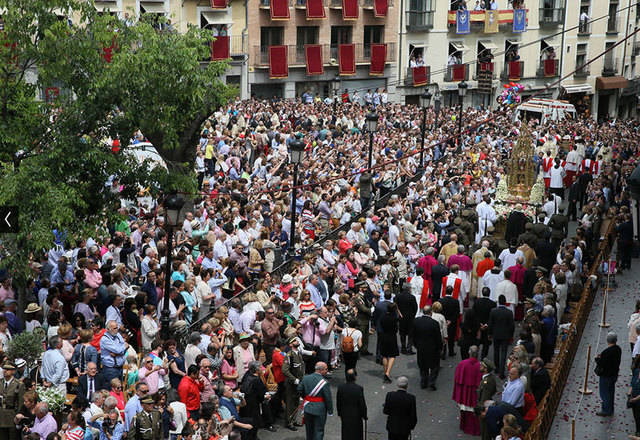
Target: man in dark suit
point(428, 339)
point(451, 312)
point(559, 224)
point(408, 307)
point(482, 308)
point(91, 382)
point(540, 379)
point(515, 224)
point(400, 406)
point(438, 272)
point(501, 328)
point(530, 279)
point(378, 313)
point(352, 408)
point(546, 253)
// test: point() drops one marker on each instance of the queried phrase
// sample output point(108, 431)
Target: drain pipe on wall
point(399, 63)
point(245, 61)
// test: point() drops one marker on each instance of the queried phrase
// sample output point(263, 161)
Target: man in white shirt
point(509, 290)
point(486, 217)
point(571, 167)
point(556, 185)
point(220, 250)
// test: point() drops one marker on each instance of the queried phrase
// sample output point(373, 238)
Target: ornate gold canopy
point(520, 173)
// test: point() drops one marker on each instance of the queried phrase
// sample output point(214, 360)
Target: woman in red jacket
point(189, 390)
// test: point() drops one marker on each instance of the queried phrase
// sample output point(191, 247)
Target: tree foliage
point(54, 160)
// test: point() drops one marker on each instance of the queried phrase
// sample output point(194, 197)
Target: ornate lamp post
point(336, 93)
point(462, 90)
point(173, 205)
point(372, 126)
point(296, 153)
point(425, 100)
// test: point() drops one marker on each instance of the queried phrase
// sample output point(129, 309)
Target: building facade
point(482, 43)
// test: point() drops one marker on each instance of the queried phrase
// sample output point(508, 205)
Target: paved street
point(437, 413)
point(588, 425)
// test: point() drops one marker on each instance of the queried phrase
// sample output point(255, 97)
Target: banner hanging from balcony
point(378, 59)
point(347, 59)
point(220, 48)
point(350, 10)
point(315, 10)
point(549, 67)
point(278, 65)
point(515, 70)
point(519, 20)
point(313, 55)
point(458, 72)
point(380, 8)
point(462, 22)
point(218, 4)
point(279, 9)
point(419, 76)
point(491, 22)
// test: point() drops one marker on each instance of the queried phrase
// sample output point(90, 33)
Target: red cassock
point(466, 381)
point(426, 263)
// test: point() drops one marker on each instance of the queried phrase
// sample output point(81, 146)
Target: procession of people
point(424, 253)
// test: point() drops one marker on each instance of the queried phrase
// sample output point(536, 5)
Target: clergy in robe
point(515, 224)
point(476, 258)
point(466, 381)
point(517, 277)
point(465, 266)
point(486, 217)
point(449, 249)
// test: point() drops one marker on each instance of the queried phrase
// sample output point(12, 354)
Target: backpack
point(347, 343)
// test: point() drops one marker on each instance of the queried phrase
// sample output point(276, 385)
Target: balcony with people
point(513, 65)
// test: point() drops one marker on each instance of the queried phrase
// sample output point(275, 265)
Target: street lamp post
point(462, 90)
point(172, 206)
point(336, 90)
point(436, 107)
point(372, 126)
point(295, 155)
point(425, 100)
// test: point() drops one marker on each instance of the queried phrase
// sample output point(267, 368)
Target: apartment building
point(321, 46)
point(482, 46)
point(226, 18)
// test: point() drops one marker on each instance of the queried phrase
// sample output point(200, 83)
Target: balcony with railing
point(636, 49)
point(368, 4)
point(335, 4)
point(238, 45)
point(419, 20)
point(548, 68)
point(408, 79)
point(485, 67)
point(513, 71)
point(609, 67)
point(584, 29)
point(551, 16)
point(457, 72)
point(582, 72)
point(296, 56)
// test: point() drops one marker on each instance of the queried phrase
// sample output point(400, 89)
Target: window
point(153, 12)
point(372, 35)
point(305, 35)
point(420, 14)
point(581, 58)
point(339, 35)
point(212, 21)
point(612, 22)
point(609, 60)
point(271, 36)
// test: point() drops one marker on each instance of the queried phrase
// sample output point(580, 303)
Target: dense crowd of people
point(439, 265)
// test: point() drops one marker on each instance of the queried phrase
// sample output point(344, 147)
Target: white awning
point(489, 45)
point(458, 45)
point(577, 88)
point(513, 42)
point(107, 6)
point(216, 18)
point(153, 8)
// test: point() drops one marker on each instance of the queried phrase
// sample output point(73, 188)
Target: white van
point(545, 110)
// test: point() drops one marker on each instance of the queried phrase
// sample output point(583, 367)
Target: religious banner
point(491, 22)
point(515, 70)
point(350, 10)
point(549, 67)
point(462, 22)
point(347, 59)
point(315, 10)
point(220, 48)
point(420, 76)
point(378, 59)
point(313, 55)
point(278, 65)
point(218, 4)
point(380, 8)
point(519, 21)
point(458, 72)
point(279, 9)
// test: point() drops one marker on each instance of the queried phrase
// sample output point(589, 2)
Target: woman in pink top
point(116, 391)
point(228, 368)
point(150, 374)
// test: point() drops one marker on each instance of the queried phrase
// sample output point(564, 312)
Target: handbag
point(270, 380)
point(598, 370)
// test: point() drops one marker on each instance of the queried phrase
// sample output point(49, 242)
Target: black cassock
point(351, 409)
point(428, 340)
point(515, 226)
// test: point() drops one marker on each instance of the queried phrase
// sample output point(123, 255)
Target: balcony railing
point(582, 73)
point(457, 72)
point(584, 29)
point(477, 19)
point(296, 56)
point(238, 45)
point(614, 25)
point(408, 79)
point(610, 66)
point(368, 4)
point(419, 20)
point(335, 4)
point(480, 67)
point(513, 71)
point(548, 68)
point(551, 16)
